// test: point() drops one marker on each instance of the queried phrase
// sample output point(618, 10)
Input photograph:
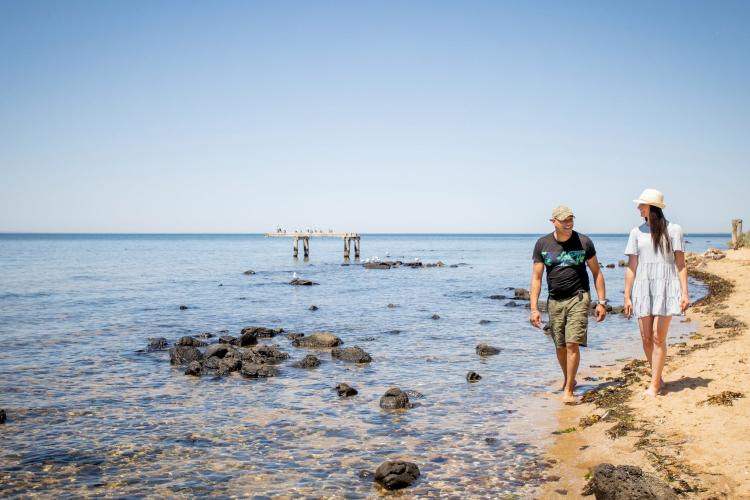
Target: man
point(565, 253)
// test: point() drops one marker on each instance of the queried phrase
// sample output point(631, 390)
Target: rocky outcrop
point(301, 282)
point(435, 316)
point(249, 272)
point(352, 354)
point(157, 343)
point(263, 354)
point(317, 340)
point(345, 390)
point(728, 321)
point(294, 335)
point(473, 377)
point(487, 350)
point(218, 350)
point(194, 369)
point(189, 341)
point(254, 370)
point(182, 355)
point(261, 332)
point(313, 307)
point(626, 482)
point(396, 475)
point(228, 339)
point(377, 265)
point(394, 399)
point(247, 339)
point(308, 361)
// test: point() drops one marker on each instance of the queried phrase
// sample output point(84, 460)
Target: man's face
point(564, 226)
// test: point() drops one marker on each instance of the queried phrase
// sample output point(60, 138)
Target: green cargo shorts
point(569, 319)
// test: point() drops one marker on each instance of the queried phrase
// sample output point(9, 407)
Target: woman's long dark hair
point(659, 234)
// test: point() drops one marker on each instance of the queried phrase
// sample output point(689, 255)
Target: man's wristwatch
point(603, 302)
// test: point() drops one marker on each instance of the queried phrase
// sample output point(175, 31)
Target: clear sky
point(434, 116)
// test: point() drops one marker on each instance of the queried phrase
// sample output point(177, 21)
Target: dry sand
point(700, 449)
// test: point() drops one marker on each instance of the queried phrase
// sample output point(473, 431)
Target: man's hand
point(601, 312)
point(535, 319)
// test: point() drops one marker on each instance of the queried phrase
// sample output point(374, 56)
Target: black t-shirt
point(565, 263)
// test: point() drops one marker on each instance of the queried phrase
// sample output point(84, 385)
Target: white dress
point(656, 291)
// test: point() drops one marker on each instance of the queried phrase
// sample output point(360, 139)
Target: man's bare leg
point(573, 358)
point(562, 358)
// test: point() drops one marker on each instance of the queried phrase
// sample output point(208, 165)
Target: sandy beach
point(694, 436)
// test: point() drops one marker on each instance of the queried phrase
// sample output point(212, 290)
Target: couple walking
point(655, 285)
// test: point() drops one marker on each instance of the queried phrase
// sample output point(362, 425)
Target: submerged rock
point(610, 266)
point(189, 341)
point(229, 364)
point(254, 370)
point(621, 263)
point(626, 482)
point(194, 369)
point(183, 307)
point(484, 322)
point(294, 335)
point(377, 265)
point(521, 294)
point(320, 340)
point(352, 354)
point(249, 272)
point(394, 399)
point(262, 332)
point(487, 350)
point(157, 343)
point(218, 350)
point(396, 475)
point(435, 316)
point(393, 306)
point(3, 416)
point(264, 354)
point(308, 361)
point(301, 282)
point(247, 339)
point(473, 377)
point(313, 307)
point(345, 390)
point(510, 303)
point(497, 297)
point(228, 339)
point(182, 355)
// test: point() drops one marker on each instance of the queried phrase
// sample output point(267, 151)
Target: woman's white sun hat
point(651, 197)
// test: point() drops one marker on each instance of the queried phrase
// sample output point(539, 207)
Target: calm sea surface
point(91, 413)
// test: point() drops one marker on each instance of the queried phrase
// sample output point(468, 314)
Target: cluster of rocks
point(610, 482)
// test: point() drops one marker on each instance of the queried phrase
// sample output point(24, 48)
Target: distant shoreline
point(32, 233)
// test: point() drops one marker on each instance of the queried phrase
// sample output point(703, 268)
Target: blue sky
point(370, 116)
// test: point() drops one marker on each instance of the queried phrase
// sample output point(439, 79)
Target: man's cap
point(562, 212)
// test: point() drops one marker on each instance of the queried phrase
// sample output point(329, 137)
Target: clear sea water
point(91, 413)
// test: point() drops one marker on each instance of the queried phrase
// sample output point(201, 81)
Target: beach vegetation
point(565, 431)
point(742, 242)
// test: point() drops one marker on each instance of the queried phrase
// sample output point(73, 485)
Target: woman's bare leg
point(646, 325)
point(659, 353)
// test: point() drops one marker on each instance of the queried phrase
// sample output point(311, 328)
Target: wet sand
point(701, 449)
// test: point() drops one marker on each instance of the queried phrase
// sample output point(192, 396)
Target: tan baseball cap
point(562, 212)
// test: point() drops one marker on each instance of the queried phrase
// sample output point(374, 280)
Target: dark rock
point(473, 377)
point(435, 316)
point(413, 265)
point(157, 343)
point(254, 370)
point(301, 282)
point(294, 335)
point(212, 363)
point(3, 416)
point(484, 322)
point(182, 355)
point(313, 307)
point(194, 369)
point(487, 350)
point(727, 321)
point(218, 350)
point(189, 341)
point(510, 303)
point(626, 482)
point(393, 306)
point(228, 339)
point(249, 272)
point(377, 265)
point(182, 308)
point(541, 305)
point(497, 297)
point(394, 399)
point(205, 335)
point(521, 294)
point(396, 475)
point(319, 340)
point(247, 339)
point(229, 364)
point(264, 354)
point(610, 266)
point(262, 332)
point(345, 390)
point(308, 361)
point(621, 263)
point(352, 354)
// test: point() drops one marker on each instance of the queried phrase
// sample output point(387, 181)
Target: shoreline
point(697, 446)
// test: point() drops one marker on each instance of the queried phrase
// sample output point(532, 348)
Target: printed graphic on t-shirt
point(564, 259)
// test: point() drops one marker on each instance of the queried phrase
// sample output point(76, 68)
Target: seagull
point(294, 275)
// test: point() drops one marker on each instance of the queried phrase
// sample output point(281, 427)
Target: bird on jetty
point(294, 275)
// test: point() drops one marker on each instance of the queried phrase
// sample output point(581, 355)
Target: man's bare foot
point(568, 396)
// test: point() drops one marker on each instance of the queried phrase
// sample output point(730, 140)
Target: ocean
point(92, 412)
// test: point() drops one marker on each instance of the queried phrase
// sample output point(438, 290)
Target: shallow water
point(89, 413)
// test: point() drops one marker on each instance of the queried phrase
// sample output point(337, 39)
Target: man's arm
point(535, 318)
point(601, 289)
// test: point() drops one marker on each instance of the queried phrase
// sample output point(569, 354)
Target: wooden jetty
point(350, 239)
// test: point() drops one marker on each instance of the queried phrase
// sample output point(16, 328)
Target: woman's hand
point(627, 309)
point(684, 302)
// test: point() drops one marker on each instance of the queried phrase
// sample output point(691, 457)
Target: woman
point(655, 281)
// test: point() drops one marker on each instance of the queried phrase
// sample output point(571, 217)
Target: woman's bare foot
point(652, 391)
point(568, 396)
point(562, 388)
